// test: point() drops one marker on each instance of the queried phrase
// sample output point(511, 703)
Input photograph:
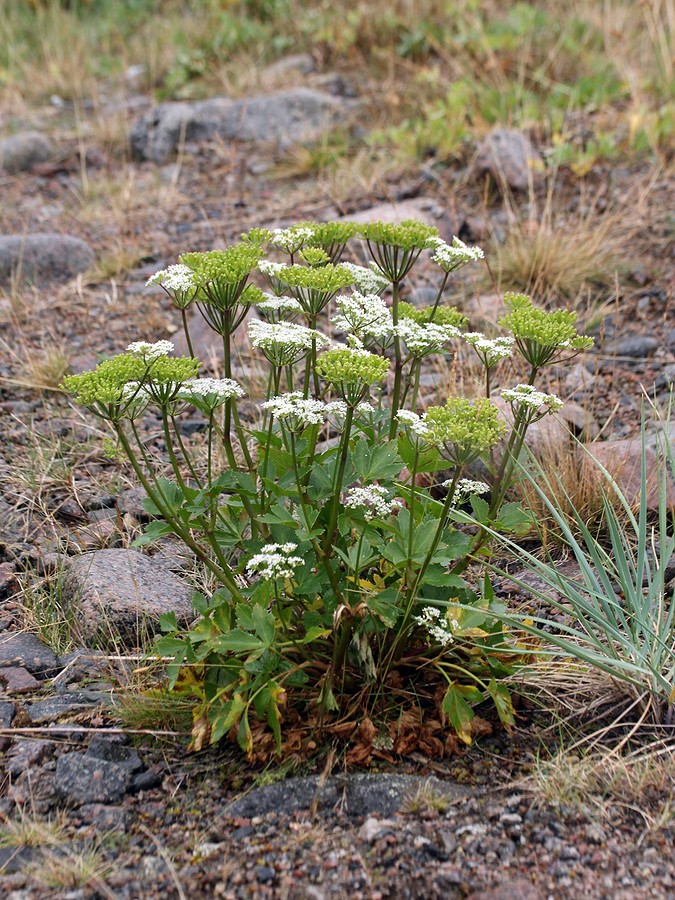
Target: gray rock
point(112, 749)
point(510, 158)
point(27, 753)
point(635, 346)
point(27, 651)
point(55, 708)
point(303, 63)
point(42, 257)
point(420, 208)
point(105, 818)
point(7, 712)
point(423, 296)
point(23, 150)
point(287, 117)
point(358, 795)
point(81, 778)
point(665, 381)
point(123, 593)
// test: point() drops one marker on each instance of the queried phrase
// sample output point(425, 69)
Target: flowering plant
point(330, 524)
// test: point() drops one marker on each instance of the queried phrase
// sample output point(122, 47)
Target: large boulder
point(287, 117)
point(23, 150)
point(122, 593)
point(42, 257)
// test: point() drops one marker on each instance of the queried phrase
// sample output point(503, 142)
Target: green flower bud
point(442, 315)
point(463, 429)
point(541, 335)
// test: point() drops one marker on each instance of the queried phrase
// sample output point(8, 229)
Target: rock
point(544, 436)
point(420, 208)
point(81, 778)
point(208, 344)
point(303, 63)
point(55, 708)
point(358, 795)
point(287, 117)
point(17, 680)
point(510, 158)
point(28, 753)
point(130, 502)
point(111, 748)
point(665, 381)
point(123, 592)
point(8, 582)
point(635, 346)
point(105, 818)
point(579, 420)
point(23, 150)
point(518, 889)
point(579, 379)
point(27, 651)
point(623, 460)
point(484, 312)
point(372, 828)
point(44, 257)
point(423, 296)
point(7, 712)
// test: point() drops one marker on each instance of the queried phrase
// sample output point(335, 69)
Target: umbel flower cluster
point(335, 563)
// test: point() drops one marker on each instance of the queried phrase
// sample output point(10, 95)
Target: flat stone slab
point(28, 652)
point(43, 257)
point(357, 795)
point(288, 117)
point(422, 209)
point(623, 460)
point(122, 593)
point(23, 150)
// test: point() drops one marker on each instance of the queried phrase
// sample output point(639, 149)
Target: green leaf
point(225, 717)
point(385, 605)
point(458, 712)
point(238, 641)
point(264, 624)
point(153, 531)
point(512, 517)
point(503, 703)
point(314, 633)
point(376, 463)
point(440, 577)
point(481, 509)
point(429, 461)
point(167, 621)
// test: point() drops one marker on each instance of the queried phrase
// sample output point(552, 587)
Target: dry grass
point(71, 869)
point(27, 830)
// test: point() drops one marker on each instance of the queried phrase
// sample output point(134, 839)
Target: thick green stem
point(183, 314)
point(398, 365)
point(337, 485)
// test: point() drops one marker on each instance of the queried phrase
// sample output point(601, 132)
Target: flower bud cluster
point(345, 365)
point(407, 235)
point(540, 334)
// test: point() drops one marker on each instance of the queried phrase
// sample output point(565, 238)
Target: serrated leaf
point(458, 712)
point(225, 717)
point(238, 641)
point(503, 704)
point(385, 605)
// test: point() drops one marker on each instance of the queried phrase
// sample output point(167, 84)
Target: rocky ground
point(90, 809)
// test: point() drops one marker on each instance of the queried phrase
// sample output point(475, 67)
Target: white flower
point(364, 409)
point(370, 281)
point(211, 392)
point(274, 561)
point(284, 342)
point(466, 486)
point(292, 239)
point(148, 352)
point(439, 628)
point(413, 422)
point(298, 410)
point(374, 499)
point(528, 397)
point(451, 256)
point(338, 408)
point(363, 313)
point(178, 278)
point(272, 304)
point(421, 340)
point(268, 267)
point(490, 351)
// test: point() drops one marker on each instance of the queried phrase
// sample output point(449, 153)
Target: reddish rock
point(17, 680)
point(623, 461)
